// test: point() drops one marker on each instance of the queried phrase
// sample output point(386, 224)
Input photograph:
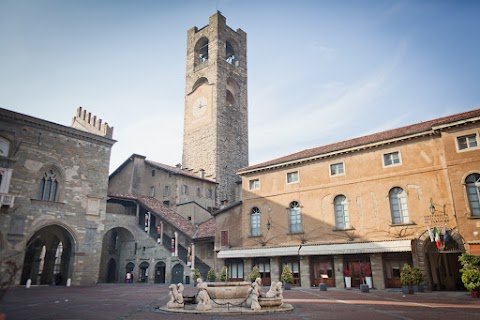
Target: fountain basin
point(266, 303)
point(233, 293)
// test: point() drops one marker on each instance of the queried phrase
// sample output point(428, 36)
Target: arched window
point(398, 206)
point(255, 229)
point(49, 184)
point(342, 219)
point(472, 184)
point(295, 217)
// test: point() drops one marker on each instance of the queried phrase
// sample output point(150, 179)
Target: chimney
point(178, 166)
point(202, 173)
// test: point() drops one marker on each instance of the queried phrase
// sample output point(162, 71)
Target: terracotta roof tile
point(365, 140)
point(206, 229)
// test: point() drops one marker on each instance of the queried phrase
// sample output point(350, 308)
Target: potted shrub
point(211, 275)
point(407, 279)
point(196, 274)
point(254, 274)
point(348, 278)
point(287, 277)
point(224, 274)
point(361, 269)
point(471, 273)
point(419, 278)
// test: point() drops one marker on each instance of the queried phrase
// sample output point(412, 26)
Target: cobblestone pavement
point(136, 301)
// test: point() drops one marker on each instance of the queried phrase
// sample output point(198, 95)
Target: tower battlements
point(87, 122)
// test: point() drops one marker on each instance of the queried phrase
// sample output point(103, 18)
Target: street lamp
point(432, 207)
point(269, 224)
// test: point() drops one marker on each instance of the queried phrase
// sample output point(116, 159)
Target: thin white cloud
point(292, 128)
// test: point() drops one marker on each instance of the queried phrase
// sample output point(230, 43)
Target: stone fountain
point(227, 297)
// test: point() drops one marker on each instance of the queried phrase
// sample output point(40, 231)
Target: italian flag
point(437, 237)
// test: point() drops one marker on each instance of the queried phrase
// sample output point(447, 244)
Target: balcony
point(6, 200)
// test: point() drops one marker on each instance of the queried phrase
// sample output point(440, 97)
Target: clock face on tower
point(199, 107)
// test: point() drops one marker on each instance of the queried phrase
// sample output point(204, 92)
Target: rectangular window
point(254, 184)
point(390, 159)
point(166, 191)
point(337, 169)
point(199, 192)
point(210, 194)
point(235, 270)
point(184, 189)
point(152, 191)
point(292, 177)
point(153, 173)
point(467, 142)
point(224, 238)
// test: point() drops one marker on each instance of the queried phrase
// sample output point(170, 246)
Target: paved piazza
point(135, 301)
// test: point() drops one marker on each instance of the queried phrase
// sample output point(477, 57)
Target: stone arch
point(201, 81)
point(177, 273)
point(49, 256)
point(143, 272)
point(115, 241)
point(430, 261)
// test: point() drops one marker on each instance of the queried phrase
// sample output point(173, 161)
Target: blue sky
point(318, 71)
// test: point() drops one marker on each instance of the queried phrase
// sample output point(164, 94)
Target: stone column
point(168, 270)
point(247, 268)
point(176, 243)
point(378, 276)
point(338, 268)
point(304, 272)
point(275, 271)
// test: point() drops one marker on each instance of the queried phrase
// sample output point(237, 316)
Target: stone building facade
point(54, 191)
point(216, 108)
point(189, 194)
point(153, 242)
point(367, 202)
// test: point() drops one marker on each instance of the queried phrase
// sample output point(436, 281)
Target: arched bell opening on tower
point(230, 56)
point(201, 51)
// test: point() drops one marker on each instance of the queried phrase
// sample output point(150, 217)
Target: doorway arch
point(49, 256)
point(177, 273)
point(440, 266)
point(143, 272)
point(115, 243)
point(160, 269)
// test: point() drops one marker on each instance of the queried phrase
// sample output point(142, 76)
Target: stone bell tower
point(216, 108)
